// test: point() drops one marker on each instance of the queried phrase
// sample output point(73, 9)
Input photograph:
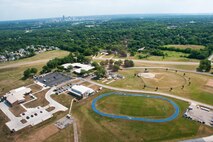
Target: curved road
point(150, 92)
point(174, 69)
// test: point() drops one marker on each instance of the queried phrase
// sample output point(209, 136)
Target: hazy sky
point(30, 9)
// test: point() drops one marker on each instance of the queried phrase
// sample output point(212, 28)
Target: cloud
point(25, 9)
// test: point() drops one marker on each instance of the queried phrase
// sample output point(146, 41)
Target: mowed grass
point(135, 106)
point(194, 47)
point(197, 91)
point(163, 79)
point(171, 56)
point(95, 128)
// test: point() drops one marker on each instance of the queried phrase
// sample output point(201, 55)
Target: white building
point(17, 95)
point(81, 91)
point(78, 67)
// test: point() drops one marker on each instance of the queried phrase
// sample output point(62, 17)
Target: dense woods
point(119, 35)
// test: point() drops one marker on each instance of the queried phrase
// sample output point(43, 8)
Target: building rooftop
point(80, 90)
point(17, 94)
point(78, 67)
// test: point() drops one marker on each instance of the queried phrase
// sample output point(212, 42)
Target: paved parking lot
point(53, 79)
point(200, 114)
point(64, 122)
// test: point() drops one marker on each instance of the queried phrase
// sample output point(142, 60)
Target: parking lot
point(200, 114)
point(53, 79)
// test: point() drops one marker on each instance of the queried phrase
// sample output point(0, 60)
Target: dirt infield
point(41, 134)
point(147, 75)
point(210, 83)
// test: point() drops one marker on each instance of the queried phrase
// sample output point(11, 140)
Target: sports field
point(94, 127)
point(139, 107)
point(197, 90)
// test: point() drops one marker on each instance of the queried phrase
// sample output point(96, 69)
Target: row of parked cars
point(63, 89)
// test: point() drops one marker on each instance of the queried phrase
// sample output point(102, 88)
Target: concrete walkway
point(204, 139)
point(53, 103)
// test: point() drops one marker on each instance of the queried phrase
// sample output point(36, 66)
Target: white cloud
point(23, 9)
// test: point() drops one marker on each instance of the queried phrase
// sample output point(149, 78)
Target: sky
point(33, 9)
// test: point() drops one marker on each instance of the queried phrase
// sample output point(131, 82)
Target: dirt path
point(13, 65)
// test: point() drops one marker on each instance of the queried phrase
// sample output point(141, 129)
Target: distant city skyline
point(33, 9)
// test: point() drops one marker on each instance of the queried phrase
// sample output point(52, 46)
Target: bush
point(205, 66)
point(128, 63)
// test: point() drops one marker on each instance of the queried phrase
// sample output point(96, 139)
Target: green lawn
point(171, 56)
point(197, 91)
point(135, 106)
point(94, 127)
point(194, 47)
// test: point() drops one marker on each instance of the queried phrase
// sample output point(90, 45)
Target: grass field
point(171, 56)
point(42, 56)
point(194, 47)
point(135, 106)
point(197, 90)
point(93, 127)
point(10, 78)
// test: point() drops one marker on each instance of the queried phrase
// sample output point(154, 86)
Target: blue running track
point(173, 116)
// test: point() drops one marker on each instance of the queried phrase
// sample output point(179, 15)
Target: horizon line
point(171, 14)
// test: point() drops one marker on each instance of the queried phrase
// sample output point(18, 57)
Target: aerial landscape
point(106, 71)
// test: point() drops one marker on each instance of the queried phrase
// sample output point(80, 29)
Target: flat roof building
point(17, 95)
point(81, 91)
point(78, 67)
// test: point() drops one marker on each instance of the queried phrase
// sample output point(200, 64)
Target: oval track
point(170, 118)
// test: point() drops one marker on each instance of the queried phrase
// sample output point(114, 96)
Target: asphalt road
point(155, 62)
point(174, 69)
point(152, 62)
point(150, 92)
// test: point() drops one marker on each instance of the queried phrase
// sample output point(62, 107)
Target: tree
point(27, 73)
point(205, 66)
point(115, 68)
point(102, 63)
point(95, 64)
point(111, 61)
point(101, 72)
point(34, 70)
point(119, 62)
point(128, 63)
